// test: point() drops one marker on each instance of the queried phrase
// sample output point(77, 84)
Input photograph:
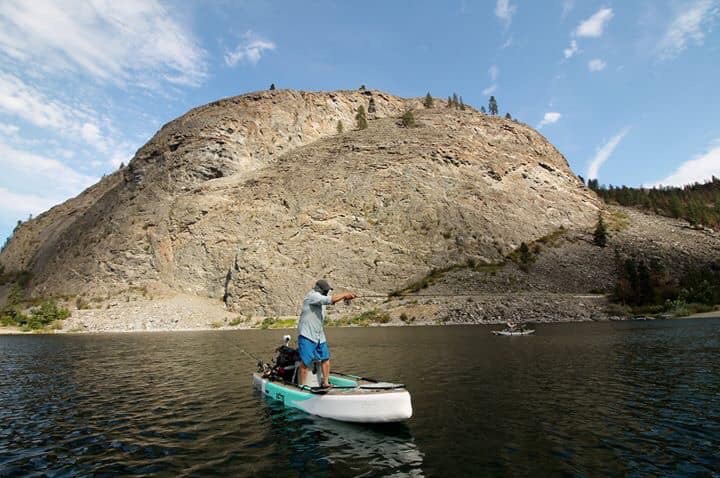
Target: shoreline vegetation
point(51, 318)
point(280, 323)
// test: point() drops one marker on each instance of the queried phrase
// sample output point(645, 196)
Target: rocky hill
point(249, 199)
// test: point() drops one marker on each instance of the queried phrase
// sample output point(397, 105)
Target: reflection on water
point(635, 398)
point(322, 447)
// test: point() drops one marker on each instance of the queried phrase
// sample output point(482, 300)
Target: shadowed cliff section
point(251, 198)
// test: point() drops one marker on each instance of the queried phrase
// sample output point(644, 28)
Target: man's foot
point(325, 385)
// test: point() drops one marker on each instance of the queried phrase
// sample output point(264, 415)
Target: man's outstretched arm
point(344, 296)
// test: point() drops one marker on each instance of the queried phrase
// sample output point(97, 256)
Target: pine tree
point(507, 116)
point(492, 106)
point(582, 179)
point(483, 110)
point(524, 257)
point(428, 103)
point(272, 86)
point(449, 105)
point(360, 118)
point(462, 105)
point(15, 296)
point(675, 206)
point(340, 127)
point(408, 119)
point(600, 234)
point(455, 101)
point(362, 88)
point(122, 165)
point(371, 106)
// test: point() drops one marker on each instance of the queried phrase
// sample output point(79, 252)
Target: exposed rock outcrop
point(249, 199)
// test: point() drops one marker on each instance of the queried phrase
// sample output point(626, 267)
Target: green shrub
point(524, 257)
point(408, 119)
point(15, 296)
point(360, 118)
point(278, 323)
point(363, 320)
point(267, 322)
point(371, 106)
point(42, 316)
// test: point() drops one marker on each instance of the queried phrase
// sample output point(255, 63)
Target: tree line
point(699, 204)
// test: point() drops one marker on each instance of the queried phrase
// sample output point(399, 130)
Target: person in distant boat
point(312, 344)
point(511, 326)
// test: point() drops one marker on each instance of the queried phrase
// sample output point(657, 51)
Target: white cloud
point(249, 50)
point(571, 50)
point(21, 205)
point(604, 153)
point(596, 65)
point(8, 129)
point(91, 134)
point(489, 90)
point(507, 43)
point(494, 72)
point(595, 25)
point(549, 118)
point(115, 41)
point(567, 7)
point(19, 99)
point(38, 169)
point(688, 26)
point(695, 170)
point(504, 11)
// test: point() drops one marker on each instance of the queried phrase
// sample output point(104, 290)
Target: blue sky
point(627, 91)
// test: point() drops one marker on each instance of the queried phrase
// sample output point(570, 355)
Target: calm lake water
point(586, 399)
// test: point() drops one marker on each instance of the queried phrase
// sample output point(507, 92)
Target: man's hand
point(346, 296)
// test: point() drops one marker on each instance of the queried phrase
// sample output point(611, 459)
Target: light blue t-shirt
point(312, 316)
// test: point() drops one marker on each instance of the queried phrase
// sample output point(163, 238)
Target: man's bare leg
point(325, 364)
point(302, 373)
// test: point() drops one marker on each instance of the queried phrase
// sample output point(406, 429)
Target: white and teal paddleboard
point(350, 399)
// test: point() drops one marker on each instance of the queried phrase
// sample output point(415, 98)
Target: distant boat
point(516, 332)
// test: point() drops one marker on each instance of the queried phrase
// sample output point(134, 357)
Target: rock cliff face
point(252, 198)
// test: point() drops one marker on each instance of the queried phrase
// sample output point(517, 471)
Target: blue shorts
point(310, 350)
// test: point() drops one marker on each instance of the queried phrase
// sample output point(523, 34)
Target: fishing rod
point(249, 354)
point(286, 340)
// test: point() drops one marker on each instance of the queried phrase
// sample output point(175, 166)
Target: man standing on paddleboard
point(312, 344)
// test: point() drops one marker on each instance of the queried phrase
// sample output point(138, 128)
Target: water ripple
point(577, 399)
